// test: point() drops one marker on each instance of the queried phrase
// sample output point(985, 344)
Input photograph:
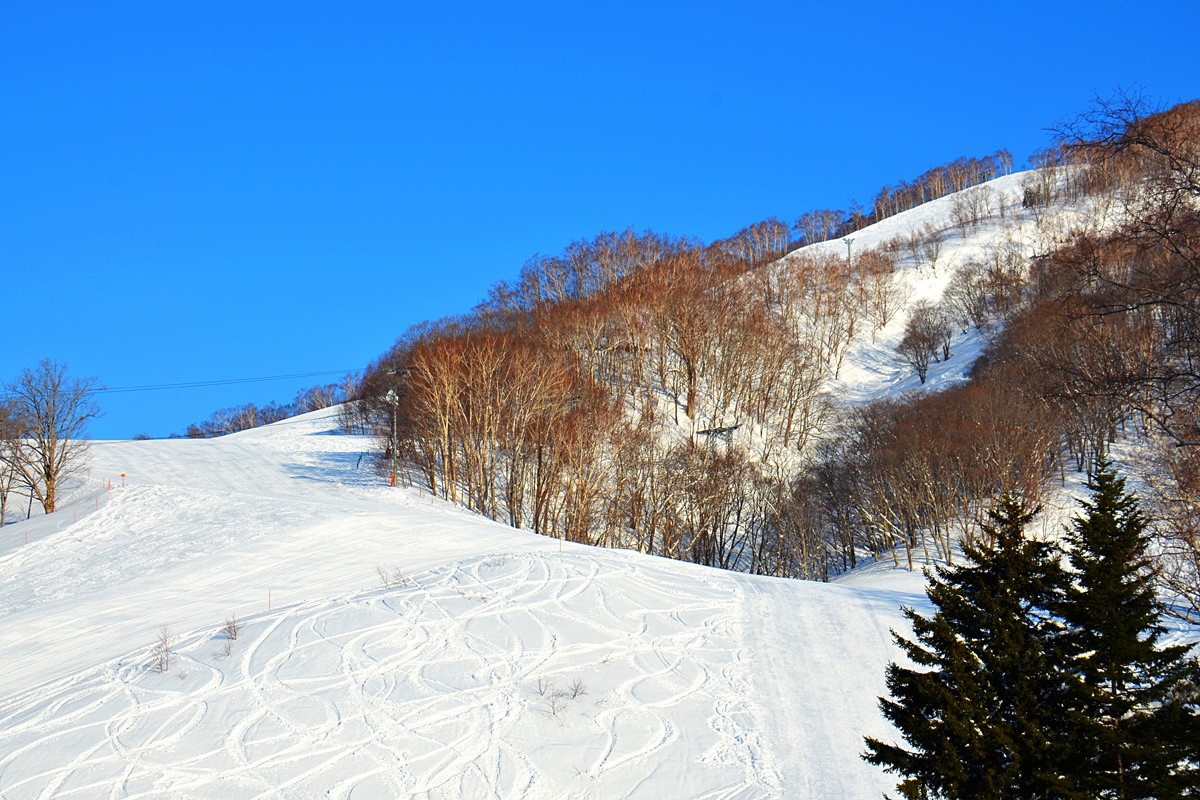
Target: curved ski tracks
point(510, 676)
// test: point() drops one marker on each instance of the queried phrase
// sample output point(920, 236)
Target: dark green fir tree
point(981, 712)
point(1132, 714)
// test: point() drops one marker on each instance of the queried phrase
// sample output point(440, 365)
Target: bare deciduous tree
point(921, 339)
point(12, 434)
point(943, 329)
point(160, 651)
point(1175, 495)
point(56, 410)
point(966, 297)
point(931, 244)
point(971, 207)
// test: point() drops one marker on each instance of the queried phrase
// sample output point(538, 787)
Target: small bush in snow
point(395, 578)
point(160, 652)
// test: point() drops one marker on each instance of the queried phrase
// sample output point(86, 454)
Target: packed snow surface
point(494, 663)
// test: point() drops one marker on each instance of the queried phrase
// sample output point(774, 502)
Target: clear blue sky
point(193, 192)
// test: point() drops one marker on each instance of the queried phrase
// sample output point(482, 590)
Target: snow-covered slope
point(872, 370)
point(392, 645)
point(493, 666)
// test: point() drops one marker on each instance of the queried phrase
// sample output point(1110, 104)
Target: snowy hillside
point(394, 645)
point(494, 665)
point(872, 368)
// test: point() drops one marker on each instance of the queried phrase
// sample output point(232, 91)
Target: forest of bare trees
point(655, 393)
point(645, 392)
point(1124, 303)
point(608, 395)
point(680, 409)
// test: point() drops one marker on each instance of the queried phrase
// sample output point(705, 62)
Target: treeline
point(644, 391)
point(959, 175)
point(771, 239)
point(654, 393)
point(249, 415)
point(608, 414)
point(650, 392)
point(1100, 339)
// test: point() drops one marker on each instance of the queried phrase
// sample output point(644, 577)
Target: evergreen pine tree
point(1133, 729)
point(981, 712)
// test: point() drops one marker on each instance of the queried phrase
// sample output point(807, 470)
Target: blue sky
point(222, 191)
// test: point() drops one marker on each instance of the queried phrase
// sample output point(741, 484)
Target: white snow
point(872, 370)
point(494, 666)
point(496, 663)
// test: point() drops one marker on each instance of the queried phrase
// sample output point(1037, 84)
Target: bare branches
point(556, 698)
point(12, 437)
point(1175, 497)
point(1143, 280)
point(161, 650)
point(394, 578)
point(927, 330)
point(930, 244)
point(970, 207)
point(55, 411)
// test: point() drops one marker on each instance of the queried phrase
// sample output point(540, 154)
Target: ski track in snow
point(204, 529)
point(426, 690)
point(699, 683)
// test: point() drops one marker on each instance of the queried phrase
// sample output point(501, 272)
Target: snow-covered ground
point(392, 645)
point(496, 664)
point(872, 369)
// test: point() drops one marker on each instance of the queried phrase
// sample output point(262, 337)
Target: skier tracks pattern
point(506, 676)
